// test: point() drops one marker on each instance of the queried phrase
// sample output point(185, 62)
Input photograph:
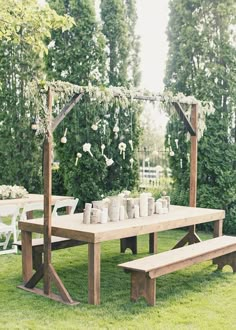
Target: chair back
point(7, 229)
point(30, 207)
point(66, 203)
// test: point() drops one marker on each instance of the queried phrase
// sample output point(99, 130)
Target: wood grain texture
point(172, 260)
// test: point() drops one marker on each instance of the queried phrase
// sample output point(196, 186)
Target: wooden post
point(47, 198)
point(193, 160)
point(192, 126)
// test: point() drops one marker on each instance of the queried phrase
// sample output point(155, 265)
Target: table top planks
point(71, 226)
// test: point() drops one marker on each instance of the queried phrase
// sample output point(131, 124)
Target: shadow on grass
point(72, 267)
point(115, 283)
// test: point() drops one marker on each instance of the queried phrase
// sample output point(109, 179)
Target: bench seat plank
point(223, 245)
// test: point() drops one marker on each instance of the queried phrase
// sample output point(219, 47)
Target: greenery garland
point(112, 96)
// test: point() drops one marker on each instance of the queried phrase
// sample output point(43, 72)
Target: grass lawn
point(197, 297)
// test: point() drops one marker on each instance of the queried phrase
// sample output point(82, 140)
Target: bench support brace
point(191, 237)
point(228, 259)
point(129, 242)
point(143, 286)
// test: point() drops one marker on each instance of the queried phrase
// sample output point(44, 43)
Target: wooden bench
point(57, 243)
point(144, 271)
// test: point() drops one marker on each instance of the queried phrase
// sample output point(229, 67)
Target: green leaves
point(201, 62)
point(30, 23)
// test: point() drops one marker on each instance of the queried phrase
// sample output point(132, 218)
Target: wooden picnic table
point(71, 226)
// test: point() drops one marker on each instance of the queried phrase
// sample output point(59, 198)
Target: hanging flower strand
point(102, 148)
point(131, 162)
point(122, 148)
point(109, 161)
point(95, 126)
point(177, 143)
point(78, 155)
point(131, 145)
point(86, 148)
point(116, 130)
point(169, 136)
point(64, 139)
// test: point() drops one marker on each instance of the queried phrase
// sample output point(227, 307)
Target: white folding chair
point(31, 208)
point(8, 227)
point(69, 204)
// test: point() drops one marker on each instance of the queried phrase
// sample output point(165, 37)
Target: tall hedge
point(201, 62)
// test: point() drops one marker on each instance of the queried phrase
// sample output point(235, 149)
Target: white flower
point(122, 147)
point(51, 44)
point(94, 127)
point(109, 161)
point(116, 129)
point(86, 148)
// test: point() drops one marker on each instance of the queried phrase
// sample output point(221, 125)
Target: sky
point(152, 26)
point(152, 23)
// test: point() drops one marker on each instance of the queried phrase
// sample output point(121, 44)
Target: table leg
point(153, 243)
point(94, 273)
point(27, 267)
point(218, 228)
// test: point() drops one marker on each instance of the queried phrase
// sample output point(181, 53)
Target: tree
point(201, 62)
point(78, 56)
point(119, 20)
point(22, 34)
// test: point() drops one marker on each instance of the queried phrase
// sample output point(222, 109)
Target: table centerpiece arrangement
point(12, 192)
point(122, 206)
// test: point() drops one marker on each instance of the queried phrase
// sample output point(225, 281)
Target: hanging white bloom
point(116, 129)
point(102, 148)
point(172, 153)
point(51, 44)
point(64, 139)
point(78, 155)
point(131, 162)
point(109, 161)
point(169, 136)
point(181, 163)
point(86, 148)
point(64, 73)
point(122, 148)
point(94, 127)
point(177, 143)
point(131, 145)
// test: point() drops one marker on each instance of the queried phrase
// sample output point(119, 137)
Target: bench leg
point(129, 242)
point(228, 259)
point(143, 286)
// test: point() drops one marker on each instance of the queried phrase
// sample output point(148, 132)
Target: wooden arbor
point(47, 271)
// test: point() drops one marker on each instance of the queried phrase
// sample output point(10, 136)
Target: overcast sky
point(152, 25)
